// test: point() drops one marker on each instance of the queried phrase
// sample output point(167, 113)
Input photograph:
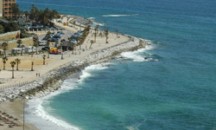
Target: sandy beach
point(25, 79)
point(14, 109)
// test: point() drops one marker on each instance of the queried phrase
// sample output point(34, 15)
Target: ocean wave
point(86, 73)
point(97, 23)
point(36, 114)
point(44, 121)
point(137, 56)
point(91, 18)
point(119, 15)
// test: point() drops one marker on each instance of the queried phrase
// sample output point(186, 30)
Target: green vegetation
point(15, 10)
point(18, 61)
point(19, 43)
point(42, 16)
point(5, 47)
point(44, 59)
point(106, 32)
point(13, 63)
point(4, 60)
point(34, 16)
point(1, 28)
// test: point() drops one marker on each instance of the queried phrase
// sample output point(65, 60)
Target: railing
point(7, 86)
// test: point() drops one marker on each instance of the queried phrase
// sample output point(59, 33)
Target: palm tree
point(26, 15)
point(4, 46)
point(106, 32)
point(96, 31)
point(62, 41)
point(91, 44)
point(4, 59)
point(36, 42)
point(15, 10)
point(22, 46)
point(32, 64)
point(32, 51)
point(117, 34)
point(17, 60)
point(48, 45)
point(44, 58)
point(13, 63)
point(19, 42)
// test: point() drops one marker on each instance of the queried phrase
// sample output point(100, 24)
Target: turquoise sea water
point(176, 90)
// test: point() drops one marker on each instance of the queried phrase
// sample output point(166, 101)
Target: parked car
point(60, 33)
point(16, 50)
point(30, 49)
point(74, 41)
point(54, 39)
point(56, 36)
point(42, 43)
point(45, 48)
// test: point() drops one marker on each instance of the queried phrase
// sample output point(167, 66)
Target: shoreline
point(63, 71)
point(52, 83)
point(41, 98)
point(53, 78)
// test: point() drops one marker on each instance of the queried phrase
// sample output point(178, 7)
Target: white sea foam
point(36, 114)
point(94, 23)
point(119, 15)
point(137, 56)
point(87, 72)
point(97, 23)
point(91, 18)
point(43, 120)
point(132, 55)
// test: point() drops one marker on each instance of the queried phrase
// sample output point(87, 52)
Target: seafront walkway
point(55, 61)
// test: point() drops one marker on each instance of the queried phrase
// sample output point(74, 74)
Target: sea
point(170, 85)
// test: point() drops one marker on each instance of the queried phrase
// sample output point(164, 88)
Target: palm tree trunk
point(17, 68)
point(4, 53)
point(3, 66)
point(32, 66)
point(12, 72)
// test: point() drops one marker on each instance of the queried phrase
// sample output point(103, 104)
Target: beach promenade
point(56, 65)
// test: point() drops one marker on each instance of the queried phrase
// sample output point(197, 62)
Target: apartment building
point(5, 8)
point(1, 8)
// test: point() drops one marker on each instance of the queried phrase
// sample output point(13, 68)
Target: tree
point(106, 32)
point(4, 60)
point(36, 42)
point(44, 58)
point(42, 16)
point(62, 54)
point(22, 46)
point(18, 61)
point(48, 45)
point(12, 26)
point(32, 66)
point(117, 34)
point(26, 15)
point(1, 28)
point(34, 13)
point(15, 10)
point(96, 31)
point(13, 63)
point(19, 42)
point(4, 46)
point(32, 51)
point(45, 16)
point(91, 42)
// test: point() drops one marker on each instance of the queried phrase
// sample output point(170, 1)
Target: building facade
point(1, 8)
point(6, 8)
